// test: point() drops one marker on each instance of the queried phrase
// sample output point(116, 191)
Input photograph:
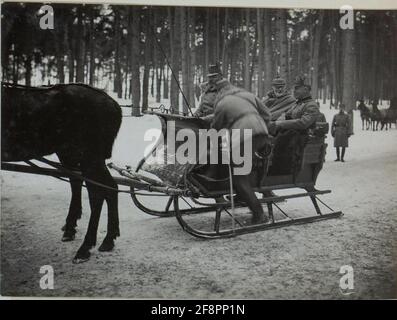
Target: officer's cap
point(278, 82)
point(214, 70)
point(300, 81)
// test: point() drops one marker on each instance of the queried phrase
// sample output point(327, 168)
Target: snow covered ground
point(154, 258)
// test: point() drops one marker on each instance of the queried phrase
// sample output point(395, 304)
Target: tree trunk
point(374, 65)
point(225, 42)
point(15, 71)
point(135, 60)
point(153, 80)
point(300, 58)
point(92, 49)
point(60, 58)
point(247, 81)
point(192, 56)
point(174, 18)
point(283, 42)
point(159, 76)
point(118, 82)
point(336, 60)
point(127, 80)
point(80, 46)
point(157, 61)
point(206, 39)
point(316, 54)
point(363, 63)
point(393, 84)
point(184, 54)
point(268, 51)
point(261, 51)
point(28, 68)
point(148, 45)
point(70, 41)
point(166, 87)
point(348, 71)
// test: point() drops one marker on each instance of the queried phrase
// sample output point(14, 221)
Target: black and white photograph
point(174, 151)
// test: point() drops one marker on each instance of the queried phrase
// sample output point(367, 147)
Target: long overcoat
point(237, 108)
point(340, 130)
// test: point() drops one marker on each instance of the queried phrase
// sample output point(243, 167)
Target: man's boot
point(343, 154)
point(337, 154)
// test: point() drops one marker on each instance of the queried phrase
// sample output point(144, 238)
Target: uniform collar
point(222, 83)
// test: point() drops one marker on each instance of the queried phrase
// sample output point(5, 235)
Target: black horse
point(384, 117)
point(365, 114)
point(79, 124)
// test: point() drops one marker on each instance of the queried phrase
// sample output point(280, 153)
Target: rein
point(71, 173)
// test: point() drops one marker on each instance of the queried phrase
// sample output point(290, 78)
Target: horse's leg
point(111, 198)
point(92, 170)
point(75, 210)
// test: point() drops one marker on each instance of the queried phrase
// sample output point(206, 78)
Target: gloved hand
point(208, 118)
point(272, 127)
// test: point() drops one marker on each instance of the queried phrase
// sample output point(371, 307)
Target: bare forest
point(138, 52)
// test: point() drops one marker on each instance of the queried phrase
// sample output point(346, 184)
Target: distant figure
point(209, 91)
point(341, 131)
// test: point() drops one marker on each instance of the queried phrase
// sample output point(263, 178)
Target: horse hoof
point(67, 238)
point(68, 235)
point(78, 260)
point(81, 257)
point(64, 227)
point(106, 246)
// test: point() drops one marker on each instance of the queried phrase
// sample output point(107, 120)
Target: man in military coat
point(238, 109)
point(209, 91)
point(301, 116)
point(341, 131)
point(278, 100)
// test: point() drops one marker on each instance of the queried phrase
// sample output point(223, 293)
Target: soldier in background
point(209, 91)
point(341, 131)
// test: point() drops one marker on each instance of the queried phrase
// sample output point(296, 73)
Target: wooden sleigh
point(190, 193)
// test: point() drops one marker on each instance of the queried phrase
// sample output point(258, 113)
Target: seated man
point(301, 116)
point(208, 89)
point(279, 100)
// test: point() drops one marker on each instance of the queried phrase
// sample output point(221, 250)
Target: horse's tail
point(113, 123)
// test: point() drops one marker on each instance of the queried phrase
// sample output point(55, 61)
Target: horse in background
point(384, 117)
point(391, 113)
point(79, 124)
point(365, 114)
